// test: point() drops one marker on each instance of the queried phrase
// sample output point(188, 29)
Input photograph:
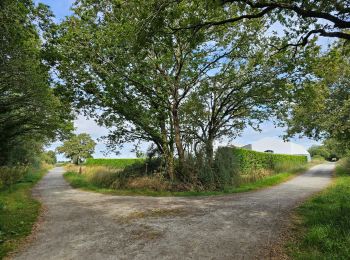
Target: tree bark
point(209, 150)
point(177, 133)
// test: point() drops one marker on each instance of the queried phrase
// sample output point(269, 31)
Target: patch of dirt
point(145, 233)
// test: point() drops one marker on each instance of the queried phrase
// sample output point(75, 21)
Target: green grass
point(115, 163)
point(79, 181)
point(18, 212)
point(323, 229)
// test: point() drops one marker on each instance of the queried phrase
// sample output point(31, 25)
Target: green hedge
point(247, 160)
point(115, 163)
point(234, 166)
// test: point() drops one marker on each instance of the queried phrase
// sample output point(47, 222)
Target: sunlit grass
point(324, 228)
point(18, 212)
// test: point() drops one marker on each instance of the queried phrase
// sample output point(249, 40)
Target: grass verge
point(323, 227)
point(18, 212)
point(80, 181)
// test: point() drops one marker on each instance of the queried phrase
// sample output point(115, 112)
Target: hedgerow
point(247, 160)
point(234, 166)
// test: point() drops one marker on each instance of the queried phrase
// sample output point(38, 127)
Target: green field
point(115, 163)
point(323, 230)
point(18, 212)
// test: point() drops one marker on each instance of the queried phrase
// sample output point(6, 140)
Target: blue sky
point(61, 8)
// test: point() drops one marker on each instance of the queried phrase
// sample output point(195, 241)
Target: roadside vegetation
point(18, 209)
point(235, 170)
point(323, 227)
point(113, 163)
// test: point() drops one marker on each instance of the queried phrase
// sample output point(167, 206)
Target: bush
point(11, 175)
point(234, 166)
point(114, 163)
point(226, 170)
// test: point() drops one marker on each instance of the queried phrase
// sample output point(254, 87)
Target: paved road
point(86, 225)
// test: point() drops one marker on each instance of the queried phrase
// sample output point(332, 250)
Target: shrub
point(114, 163)
point(226, 167)
point(11, 175)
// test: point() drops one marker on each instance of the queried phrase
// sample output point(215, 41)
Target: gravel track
point(86, 225)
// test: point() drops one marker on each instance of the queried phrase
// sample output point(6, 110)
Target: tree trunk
point(209, 150)
point(177, 133)
point(168, 153)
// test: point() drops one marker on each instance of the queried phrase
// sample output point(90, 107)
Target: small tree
point(78, 148)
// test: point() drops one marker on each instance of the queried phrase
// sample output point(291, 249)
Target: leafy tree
point(319, 150)
point(302, 19)
point(330, 149)
point(233, 99)
point(78, 148)
point(49, 157)
point(29, 110)
point(321, 107)
point(125, 65)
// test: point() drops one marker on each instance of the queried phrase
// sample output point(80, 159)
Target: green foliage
point(19, 211)
point(78, 148)
point(321, 106)
point(330, 149)
point(226, 172)
point(324, 231)
point(114, 163)
point(11, 175)
point(30, 112)
point(157, 84)
point(248, 161)
point(230, 171)
point(235, 166)
point(81, 181)
point(49, 157)
point(319, 150)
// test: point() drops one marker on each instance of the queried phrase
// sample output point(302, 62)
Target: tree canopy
point(78, 148)
point(301, 19)
point(177, 89)
point(29, 109)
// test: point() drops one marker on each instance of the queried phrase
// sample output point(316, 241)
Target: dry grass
point(254, 176)
point(101, 176)
point(155, 182)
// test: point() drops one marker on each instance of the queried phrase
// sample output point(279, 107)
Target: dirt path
point(86, 225)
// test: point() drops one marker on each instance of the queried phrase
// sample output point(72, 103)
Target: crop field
point(114, 163)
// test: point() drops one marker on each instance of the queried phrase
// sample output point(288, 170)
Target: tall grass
point(11, 175)
point(100, 176)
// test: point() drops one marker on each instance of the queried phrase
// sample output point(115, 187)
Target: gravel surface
point(86, 225)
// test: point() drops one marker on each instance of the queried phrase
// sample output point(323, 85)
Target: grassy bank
point(81, 181)
point(18, 211)
point(323, 229)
